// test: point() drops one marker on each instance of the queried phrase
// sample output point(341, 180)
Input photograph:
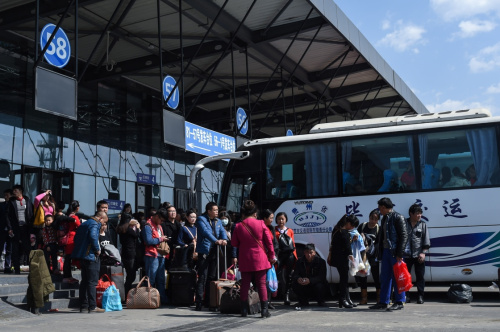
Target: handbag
point(229, 274)
point(163, 248)
point(111, 300)
point(143, 297)
point(101, 288)
point(39, 216)
point(285, 243)
point(402, 276)
point(230, 301)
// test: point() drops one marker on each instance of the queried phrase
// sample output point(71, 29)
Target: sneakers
point(396, 306)
point(378, 306)
point(70, 280)
point(96, 309)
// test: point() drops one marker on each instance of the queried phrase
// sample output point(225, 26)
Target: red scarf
point(20, 200)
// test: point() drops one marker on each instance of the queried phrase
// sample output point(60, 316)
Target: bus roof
point(386, 125)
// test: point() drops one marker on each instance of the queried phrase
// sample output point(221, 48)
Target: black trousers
point(88, 284)
point(21, 248)
point(51, 256)
point(343, 269)
point(304, 293)
point(285, 268)
point(419, 273)
point(67, 266)
point(207, 266)
point(130, 265)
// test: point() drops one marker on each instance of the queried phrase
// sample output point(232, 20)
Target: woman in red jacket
point(287, 254)
point(255, 255)
point(73, 208)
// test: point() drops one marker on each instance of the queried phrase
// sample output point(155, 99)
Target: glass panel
point(85, 158)
point(455, 159)
point(84, 192)
point(130, 193)
point(110, 162)
point(377, 164)
point(166, 172)
point(11, 138)
point(41, 149)
point(68, 154)
point(166, 194)
point(136, 163)
point(31, 184)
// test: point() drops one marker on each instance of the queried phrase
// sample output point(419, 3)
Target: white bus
point(446, 162)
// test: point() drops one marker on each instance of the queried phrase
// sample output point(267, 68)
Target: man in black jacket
point(19, 221)
point(309, 277)
point(391, 241)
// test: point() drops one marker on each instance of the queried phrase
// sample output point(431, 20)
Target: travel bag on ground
point(219, 287)
point(111, 300)
point(102, 284)
point(117, 276)
point(460, 293)
point(143, 297)
point(230, 302)
point(182, 287)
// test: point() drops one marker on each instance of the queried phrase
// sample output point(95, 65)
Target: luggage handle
point(140, 282)
point(105, 275)
point(218, 260)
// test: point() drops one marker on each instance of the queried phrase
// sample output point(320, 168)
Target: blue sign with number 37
point(59, 51)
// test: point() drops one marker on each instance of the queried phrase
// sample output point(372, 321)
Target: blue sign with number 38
point(59, 51)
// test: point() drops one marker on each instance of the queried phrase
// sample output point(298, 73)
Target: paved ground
point(435, 315)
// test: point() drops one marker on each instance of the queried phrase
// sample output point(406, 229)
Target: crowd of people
point(253, 244)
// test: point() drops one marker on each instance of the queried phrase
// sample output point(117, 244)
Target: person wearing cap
point(309, 278)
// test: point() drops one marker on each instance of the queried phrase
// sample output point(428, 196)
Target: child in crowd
point(50, 246)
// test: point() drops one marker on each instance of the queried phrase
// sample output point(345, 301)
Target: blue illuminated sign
point(146, 178)
point(59, 51)
point(207, 142)
point(168, 84)
point(241, 115)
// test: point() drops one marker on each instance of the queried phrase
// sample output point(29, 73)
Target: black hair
point(386, 202)
point(100, 203)
point(124, 222)
point(72, 207)
point(249, 208)
point(162, 213)
point(351, 219)
point(224, 214)
point(375, 212)
point(415, 208)
point(282, 214)
point(18, 186)
point(187, 213)
point(8, 190)
point(266, 213)
point(49, 216)
point(310, 246)
point(127, 205)
point(210, 206)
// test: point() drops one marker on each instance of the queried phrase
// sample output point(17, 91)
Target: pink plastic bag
point(403, 277)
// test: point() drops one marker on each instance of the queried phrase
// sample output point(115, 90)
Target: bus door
point(241, 188)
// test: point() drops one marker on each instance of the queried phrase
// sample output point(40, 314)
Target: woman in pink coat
point(255, 255)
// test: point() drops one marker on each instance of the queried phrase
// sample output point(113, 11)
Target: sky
point(446, 51)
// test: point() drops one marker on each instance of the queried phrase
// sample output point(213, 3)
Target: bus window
point(457, 159)
point(240, 189)
point(381, 164)
point(308, 170)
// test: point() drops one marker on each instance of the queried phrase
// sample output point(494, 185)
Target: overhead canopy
point(289, 63)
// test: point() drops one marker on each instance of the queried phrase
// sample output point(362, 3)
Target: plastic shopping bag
point(111, 300)
point(229, 274)
point(366, 271)
point(403, 277)
point(272, 279)
point(101, 288)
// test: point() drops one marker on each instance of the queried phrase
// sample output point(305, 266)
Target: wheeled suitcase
point(220, 286)
point(117, 276)
point(181, 287)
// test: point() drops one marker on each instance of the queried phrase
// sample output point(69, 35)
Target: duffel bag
point(143, 297)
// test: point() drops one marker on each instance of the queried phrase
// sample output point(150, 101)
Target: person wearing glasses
point(171, 228)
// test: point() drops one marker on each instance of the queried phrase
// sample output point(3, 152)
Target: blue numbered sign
point(241, 115)
point(289, 133)
point(59, 51)
point(168, 85)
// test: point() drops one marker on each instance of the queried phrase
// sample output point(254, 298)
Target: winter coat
point(251, 256)
point(206, 237)
point(40, 283)
point(418, 239)
point(394, 225)
point(87, 240)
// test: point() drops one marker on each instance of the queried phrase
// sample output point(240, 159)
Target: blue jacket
point(87, 240)
point(206, 237)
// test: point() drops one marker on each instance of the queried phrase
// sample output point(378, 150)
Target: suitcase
point(219, 287)
point(182, 286)
point(117, 276)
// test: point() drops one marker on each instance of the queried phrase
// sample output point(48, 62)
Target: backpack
point(371, 250)
point(285, 243)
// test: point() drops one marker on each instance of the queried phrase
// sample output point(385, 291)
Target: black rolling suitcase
point(181, 287)
point(117, 276)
